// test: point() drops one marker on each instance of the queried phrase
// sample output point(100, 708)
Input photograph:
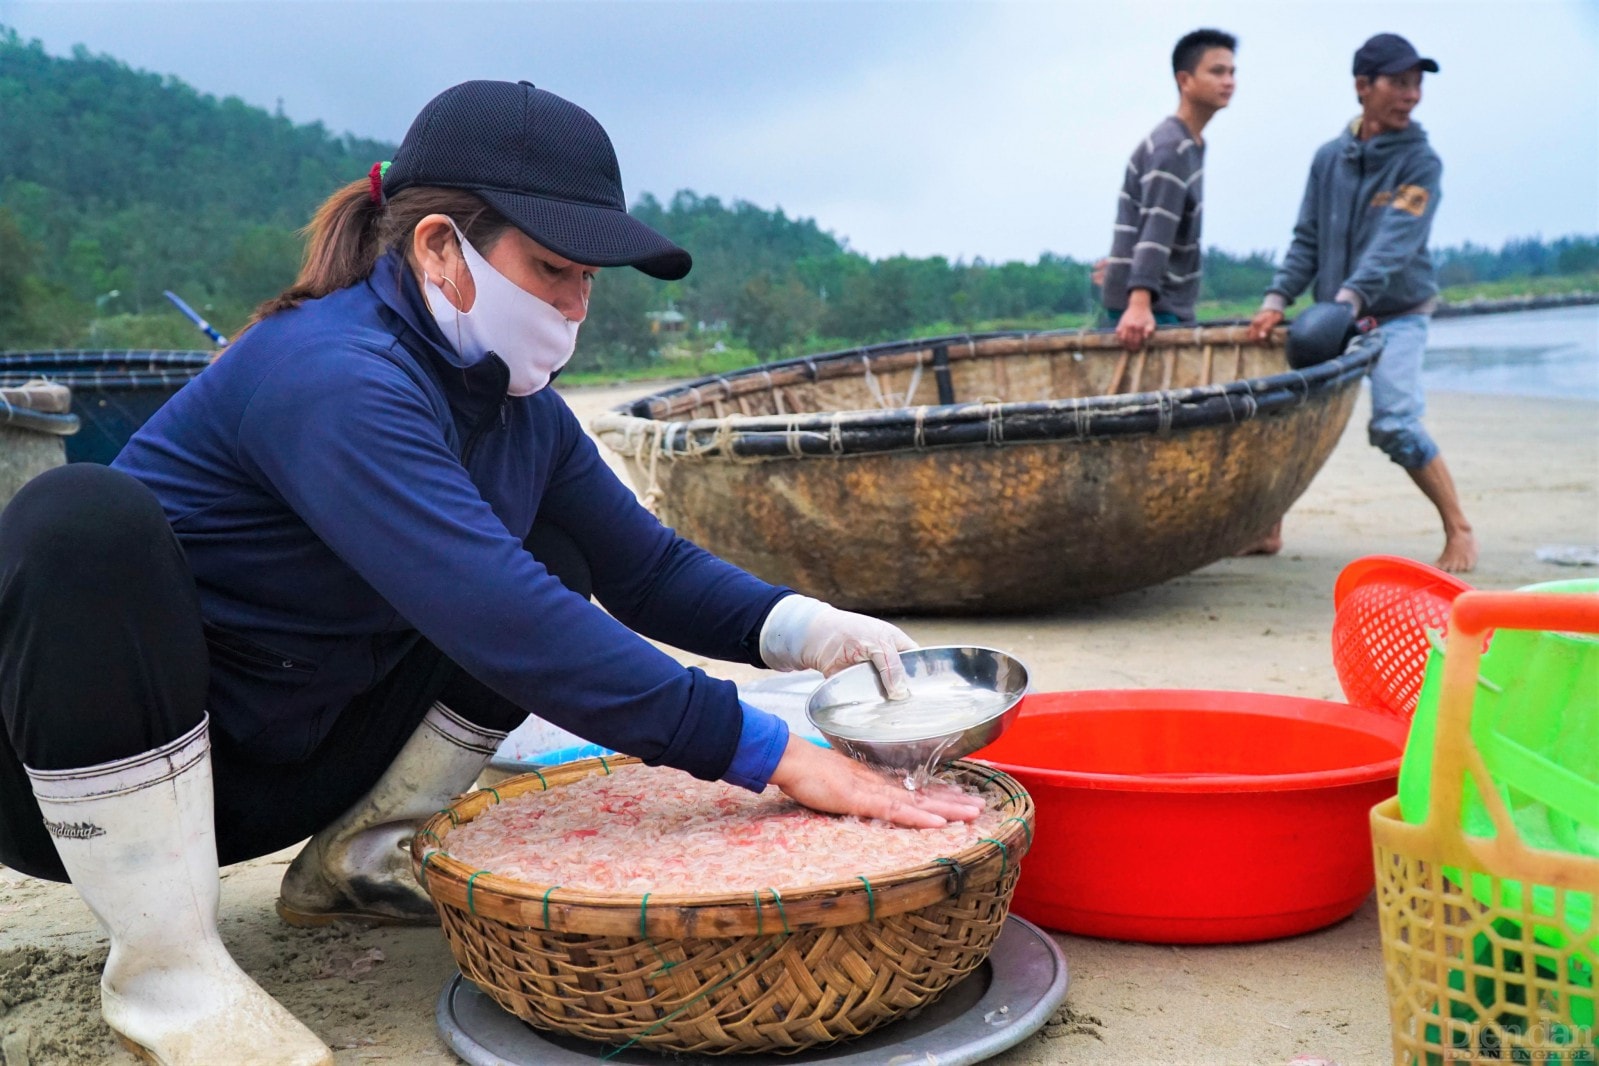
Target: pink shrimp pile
point(654, 829)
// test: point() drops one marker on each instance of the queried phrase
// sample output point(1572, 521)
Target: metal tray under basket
point(1007, 999)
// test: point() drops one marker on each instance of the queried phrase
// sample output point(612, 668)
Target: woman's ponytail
point(352, 230)
point(341, 247)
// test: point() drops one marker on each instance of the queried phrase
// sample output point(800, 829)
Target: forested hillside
point(117, 184)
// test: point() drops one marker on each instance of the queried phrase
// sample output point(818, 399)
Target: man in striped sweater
point(1152, 273)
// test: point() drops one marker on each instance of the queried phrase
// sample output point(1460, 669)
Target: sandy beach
point(1528, 471)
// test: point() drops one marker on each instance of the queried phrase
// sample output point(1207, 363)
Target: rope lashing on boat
point(996, 422)
point(773, 391)
point(792, 439)
point(882, 399)
point(866, 423)
point(1304, 384)
point(652, 441)
point(645, 445)
point(916, 382)
point(1251, 405)
point(721, 401)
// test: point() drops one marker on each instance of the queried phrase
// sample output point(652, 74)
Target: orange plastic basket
point(1385, 605)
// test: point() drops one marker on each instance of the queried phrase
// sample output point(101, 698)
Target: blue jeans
point(1397, 403)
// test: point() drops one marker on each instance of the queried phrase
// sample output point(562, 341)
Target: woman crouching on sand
point(316, 590)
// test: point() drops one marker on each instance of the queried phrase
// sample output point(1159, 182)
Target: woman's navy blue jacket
point(340, 483)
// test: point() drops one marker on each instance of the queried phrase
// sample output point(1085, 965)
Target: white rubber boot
point(359, 868)
point(137, 837)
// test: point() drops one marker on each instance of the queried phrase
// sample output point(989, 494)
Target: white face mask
point(530, 336)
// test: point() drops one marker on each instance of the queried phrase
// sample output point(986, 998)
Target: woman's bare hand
point(824, 780)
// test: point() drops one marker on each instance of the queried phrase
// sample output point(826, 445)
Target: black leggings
point(102, 657)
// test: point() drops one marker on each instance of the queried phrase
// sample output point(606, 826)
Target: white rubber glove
point(805, 634)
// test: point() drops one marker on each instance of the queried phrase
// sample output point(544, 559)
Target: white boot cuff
point(458, 731)
point(123, 775)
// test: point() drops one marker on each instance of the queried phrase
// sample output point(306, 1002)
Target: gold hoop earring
point(460, 310)
point(459, 299)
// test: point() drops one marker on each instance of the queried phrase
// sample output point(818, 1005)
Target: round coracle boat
point(761, 971)
point(113, 392)
point(990, 473)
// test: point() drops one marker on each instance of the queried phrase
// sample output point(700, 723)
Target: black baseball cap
point(1389, 53)
point(542, 162)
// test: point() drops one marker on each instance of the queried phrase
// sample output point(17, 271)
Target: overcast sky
point(961, 129)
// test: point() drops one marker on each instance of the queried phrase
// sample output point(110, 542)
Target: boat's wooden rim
point(644, 426)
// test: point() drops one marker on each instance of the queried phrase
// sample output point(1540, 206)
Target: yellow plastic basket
point(1489, 943)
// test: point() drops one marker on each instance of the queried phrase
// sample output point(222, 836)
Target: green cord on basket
point(1010, 797)
point(1004, 854)
point(871, 901)
point(958, 872)
point(643, 932)
point(540, 776)
point(606, 765)
point(469, 904)
point(1027, 829)
point(759, 918)
point(495, 793)
point(547, 892)
point(730, 978)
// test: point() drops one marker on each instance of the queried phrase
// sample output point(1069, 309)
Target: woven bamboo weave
point(1490, 944)
point(753, 971)
point(1018, 471)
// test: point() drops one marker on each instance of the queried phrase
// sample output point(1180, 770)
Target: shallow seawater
point(1550, 354)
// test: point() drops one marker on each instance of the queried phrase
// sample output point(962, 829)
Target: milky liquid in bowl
point(961, 698)
point(925, 714)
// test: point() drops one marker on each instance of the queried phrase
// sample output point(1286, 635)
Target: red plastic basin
point(1191, 817)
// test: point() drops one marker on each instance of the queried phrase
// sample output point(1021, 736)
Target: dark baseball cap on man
point(1389, 53)
point(542, 162)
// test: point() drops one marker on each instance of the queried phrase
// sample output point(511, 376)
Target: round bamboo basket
point(1015, 471)
point(749, 971)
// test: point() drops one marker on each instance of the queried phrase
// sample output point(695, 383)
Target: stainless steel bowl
point(935, 676)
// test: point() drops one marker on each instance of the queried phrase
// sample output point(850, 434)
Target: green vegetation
point(117, 184)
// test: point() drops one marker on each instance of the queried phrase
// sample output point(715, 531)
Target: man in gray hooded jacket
point(1362, 238)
